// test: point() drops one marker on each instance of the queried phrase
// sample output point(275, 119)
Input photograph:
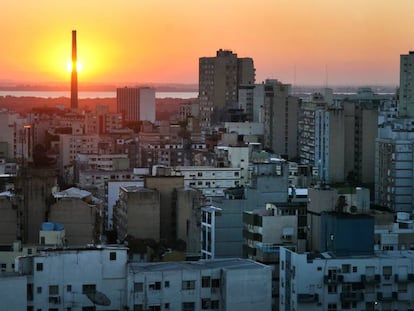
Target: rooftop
point(229, 264)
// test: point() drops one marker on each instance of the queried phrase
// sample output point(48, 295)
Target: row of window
point(185, 306)
point(206, 281)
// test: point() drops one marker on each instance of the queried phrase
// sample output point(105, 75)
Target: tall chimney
point(74, 78)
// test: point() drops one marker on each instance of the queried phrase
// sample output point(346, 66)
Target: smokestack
point(74, 78)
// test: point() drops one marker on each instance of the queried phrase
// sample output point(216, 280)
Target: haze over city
point(300, 42)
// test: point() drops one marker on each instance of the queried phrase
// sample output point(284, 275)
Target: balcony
point(404, 279)
point(370, 279)
point(333, 279)
point(389, 297)
point(54, 300)
point(307, 298)
point(352, 296)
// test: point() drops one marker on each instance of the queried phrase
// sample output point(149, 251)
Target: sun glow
point(69, 66)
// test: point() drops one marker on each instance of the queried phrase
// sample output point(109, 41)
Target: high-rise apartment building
point(406, 108)
point(136, 104)
point(219, 80)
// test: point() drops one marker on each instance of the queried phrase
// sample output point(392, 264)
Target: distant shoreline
point(91, 94)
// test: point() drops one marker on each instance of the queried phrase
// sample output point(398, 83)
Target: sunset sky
point(307, 42)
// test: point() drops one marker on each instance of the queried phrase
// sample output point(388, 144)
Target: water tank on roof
point(48, 226)
point(58, 227)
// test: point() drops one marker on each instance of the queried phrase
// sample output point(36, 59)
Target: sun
point(79, 67)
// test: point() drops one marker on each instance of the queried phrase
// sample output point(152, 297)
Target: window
point(154, 308)
point(39, 289)
point(332, 307)
point(88, 288)
point(155, 286)
point(355, 269)
point(346, 268)
point(88, 309)
point(138, 287)
point(39, 266)
point(3, 267)
point(166, 284)
point(68, 288)
point(188, 306)
point(166, 305)
point(387, 272)
point(215, 305)
point(138, 308)
point(332, 289)
point(215, 283)
point(319, 268)
point(112, 256)
point(402, 287)
point(187, 285)
point(53, 289)
point(205, 281)
point(205, 303)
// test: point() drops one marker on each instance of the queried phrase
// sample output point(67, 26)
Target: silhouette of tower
point(74, 78)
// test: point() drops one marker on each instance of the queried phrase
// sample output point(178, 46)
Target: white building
point(75, 279)
point(384, 281)
point(226, 284)
point(212, 181)
point(136, 104)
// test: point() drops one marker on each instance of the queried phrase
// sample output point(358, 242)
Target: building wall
point(215, 284)
point(78, 218)
point(166, 186)
point(8, 221)
point(138, 213)
point(13, 290)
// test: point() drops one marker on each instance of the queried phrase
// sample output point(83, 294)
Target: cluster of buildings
point(251, 197)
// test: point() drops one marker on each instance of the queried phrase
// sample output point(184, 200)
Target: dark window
point(88, 288)
point(215, 283)
point(112, 256)
point(68, 288)
point(205, 281)
point(215, 305)
point(155, 286)
point(39, 289)
point(188, 306)
point(138, 308)
point(138, 287)
point(167, 284)
point(53, 289)
point(187, 285)
point(39, 266)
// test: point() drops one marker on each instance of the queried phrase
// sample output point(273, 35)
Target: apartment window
point(53, 289)
point(138, 308)
point(332, 307)
point(346, 268)
point(332, 289)
point(188, 306)
point(112, 256)
point(3, 267)
point(68, 288)
point(402, 287)
point(89, 308)
point(205, 303)
point(155, 286)
point(39, 289)
point(215, 283)
point(88, 288)
point(387, 271)
point(215, 305)
point(154, 308)
point(188, 285)
point(355, 269)
point(39, 266)
point(205, 281)
point(166, 305)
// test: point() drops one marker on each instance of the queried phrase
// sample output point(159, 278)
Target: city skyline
point(299, 42)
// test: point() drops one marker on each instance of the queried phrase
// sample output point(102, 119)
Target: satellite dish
point(98, 298)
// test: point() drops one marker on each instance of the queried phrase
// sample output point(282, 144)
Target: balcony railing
point(333, 279)
point(352, 296)
point(307, 298)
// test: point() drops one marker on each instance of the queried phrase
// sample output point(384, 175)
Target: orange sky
point(302, 41)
